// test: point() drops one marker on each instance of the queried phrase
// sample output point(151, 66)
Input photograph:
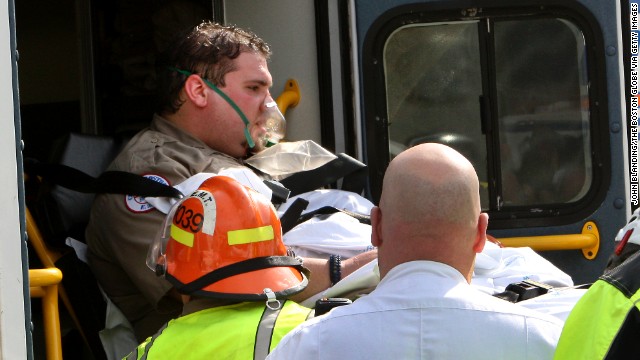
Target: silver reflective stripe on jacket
point(265, 332)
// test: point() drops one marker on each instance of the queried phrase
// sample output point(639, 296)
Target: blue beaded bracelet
point(335, 268)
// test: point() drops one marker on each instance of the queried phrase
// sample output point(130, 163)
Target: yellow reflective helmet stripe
point(183, 237)
point(247, 236)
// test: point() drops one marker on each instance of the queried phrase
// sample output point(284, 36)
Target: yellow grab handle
point(44, 277)
point(44, 283)
point(290, 97)
point(588, 241)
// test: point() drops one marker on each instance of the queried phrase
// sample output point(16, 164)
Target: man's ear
point(481, 233)
point(195, 90)
point(376, 234)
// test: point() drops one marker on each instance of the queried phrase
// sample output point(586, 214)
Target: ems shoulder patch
point(138, 204)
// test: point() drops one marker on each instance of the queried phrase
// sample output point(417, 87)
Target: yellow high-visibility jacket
point(247, 330)
point(605, 323)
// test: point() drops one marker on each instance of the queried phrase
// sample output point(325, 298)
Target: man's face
point(248, 86)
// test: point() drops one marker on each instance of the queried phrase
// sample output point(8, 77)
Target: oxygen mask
point(270, 129)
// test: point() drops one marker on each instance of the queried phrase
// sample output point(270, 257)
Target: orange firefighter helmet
point(225, 241)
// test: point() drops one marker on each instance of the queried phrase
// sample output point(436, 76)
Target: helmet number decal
point(191, 219)
point(188, 220)
point(207, 224)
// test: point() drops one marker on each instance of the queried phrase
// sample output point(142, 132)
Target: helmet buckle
point(272, 303)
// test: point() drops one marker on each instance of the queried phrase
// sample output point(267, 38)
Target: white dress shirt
point(424, 310)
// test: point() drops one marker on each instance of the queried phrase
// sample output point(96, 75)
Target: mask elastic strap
point(235, 107)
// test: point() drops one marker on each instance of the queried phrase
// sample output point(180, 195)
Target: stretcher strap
point(352, 171)
point(291, 217)
point(111, 182)
point(328, 210)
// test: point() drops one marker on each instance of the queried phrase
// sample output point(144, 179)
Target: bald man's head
point(431, 182)
point(430, 208)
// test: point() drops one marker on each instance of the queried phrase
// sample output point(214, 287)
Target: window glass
point(435, 95)
point(538, 79)
point(543, 111)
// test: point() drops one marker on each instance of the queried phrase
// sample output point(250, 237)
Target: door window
point(516, 94)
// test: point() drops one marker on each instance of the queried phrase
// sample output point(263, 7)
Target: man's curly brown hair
point(208, 50)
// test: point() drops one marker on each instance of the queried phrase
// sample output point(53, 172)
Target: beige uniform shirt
point(122, 227)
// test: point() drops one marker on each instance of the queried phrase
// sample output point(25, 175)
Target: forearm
point(319, 279)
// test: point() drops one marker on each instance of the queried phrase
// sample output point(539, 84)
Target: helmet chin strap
point(238, 268)
point(272, 303)
point(235, 107)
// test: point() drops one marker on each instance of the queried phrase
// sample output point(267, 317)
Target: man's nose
point(267, 100)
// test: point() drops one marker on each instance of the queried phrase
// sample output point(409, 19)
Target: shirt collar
point(168, 128)
point(432, 267)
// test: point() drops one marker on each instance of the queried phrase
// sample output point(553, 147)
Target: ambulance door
point(529, 91)
point(15, 339)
